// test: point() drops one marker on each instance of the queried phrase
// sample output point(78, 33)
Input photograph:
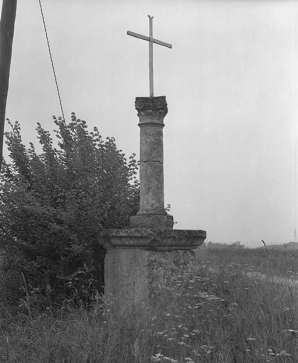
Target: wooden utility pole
point(8, 16)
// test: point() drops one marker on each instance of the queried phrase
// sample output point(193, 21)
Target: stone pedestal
point(132, 256)
point(130, 275)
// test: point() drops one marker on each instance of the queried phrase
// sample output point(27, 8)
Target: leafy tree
point(52, 206)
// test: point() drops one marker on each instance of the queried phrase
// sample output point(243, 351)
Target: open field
point(214, 312)
point(283, 263)
point(264, 260)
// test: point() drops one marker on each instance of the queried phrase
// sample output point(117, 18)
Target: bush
point(52, 206)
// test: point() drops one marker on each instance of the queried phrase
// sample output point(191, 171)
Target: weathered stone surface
point(151, 143)
point(126, 277)
point(151, 239)
point(151, 109)
point(151, 112)
point(136, 259)
point(151, 191)
point(152, 220)
point(134, 276)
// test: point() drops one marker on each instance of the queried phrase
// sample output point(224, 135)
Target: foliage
point(52, 206)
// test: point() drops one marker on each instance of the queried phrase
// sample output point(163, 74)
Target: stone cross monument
point(129, 271)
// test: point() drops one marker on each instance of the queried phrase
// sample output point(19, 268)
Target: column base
point(156, 221)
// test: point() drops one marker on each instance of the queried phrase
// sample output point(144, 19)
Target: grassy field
point(214, 312)
point(264, 260)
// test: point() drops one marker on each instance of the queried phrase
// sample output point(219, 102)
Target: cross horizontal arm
point(136, 35)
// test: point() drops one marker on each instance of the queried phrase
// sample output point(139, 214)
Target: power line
point(53, 68)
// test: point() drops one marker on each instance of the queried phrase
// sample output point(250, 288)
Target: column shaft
point(151, 169)
point(151, 112)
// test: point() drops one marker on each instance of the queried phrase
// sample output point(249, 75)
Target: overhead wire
point(51, 58)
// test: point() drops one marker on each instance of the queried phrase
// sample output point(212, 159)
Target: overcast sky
point(231, 86)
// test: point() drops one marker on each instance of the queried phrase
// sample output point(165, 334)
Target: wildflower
point(170, 359)
point(213, 297)
point(207, 348)
point(198, 305)
point(156, 357)
point(284, 353)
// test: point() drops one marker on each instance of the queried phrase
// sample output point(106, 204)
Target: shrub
point(52, 206)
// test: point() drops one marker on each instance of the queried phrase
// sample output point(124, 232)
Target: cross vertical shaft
point(151, 56)
point(151, 40)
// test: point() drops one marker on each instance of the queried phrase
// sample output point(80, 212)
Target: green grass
point(213, 312)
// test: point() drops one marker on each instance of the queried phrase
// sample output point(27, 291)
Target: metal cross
point(151, 40)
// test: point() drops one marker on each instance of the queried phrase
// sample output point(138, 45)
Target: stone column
point(134, 253)
point(151, 113)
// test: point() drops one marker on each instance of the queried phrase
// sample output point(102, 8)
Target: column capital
point(151, 110)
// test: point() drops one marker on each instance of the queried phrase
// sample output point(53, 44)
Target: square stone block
point(139, 260)
point(134, 277)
